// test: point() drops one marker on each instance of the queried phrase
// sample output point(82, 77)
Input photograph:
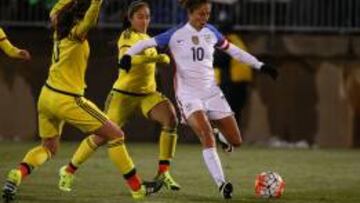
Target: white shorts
point(215, 106)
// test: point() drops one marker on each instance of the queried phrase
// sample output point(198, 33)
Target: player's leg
point(229, 129)
point(119, 155)
point(49, 130)
point(94, 121)
point(85, 150)
point(88, 145)
point(33, 159)
point(163, 112)
point(222, 117)
point(114, 109)
point(199, 122)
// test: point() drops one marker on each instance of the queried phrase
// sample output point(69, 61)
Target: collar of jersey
point(192, 29)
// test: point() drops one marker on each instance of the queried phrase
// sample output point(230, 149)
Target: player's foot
point(169, 182)
point(147, 188)
point(12, 182)
point(225, 145)
point(226, 190)
point(139, 194)
point(66, 179)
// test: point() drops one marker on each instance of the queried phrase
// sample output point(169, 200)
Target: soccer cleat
point(153, 186)
point(139, 194)
point(226, 190)
point(169, 182)
point(66, 180)
point(225, 145)
point(146, 189)
point(12, 182)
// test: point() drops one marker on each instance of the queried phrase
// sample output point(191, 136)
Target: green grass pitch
point(312, 176)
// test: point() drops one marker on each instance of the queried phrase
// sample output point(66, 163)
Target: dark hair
point(67, 17)
point(191, 5)
point(132, 8)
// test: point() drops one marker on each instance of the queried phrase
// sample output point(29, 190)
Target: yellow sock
point(84, 151)
point(118, 154)
point(37, 156)
point(167, 144)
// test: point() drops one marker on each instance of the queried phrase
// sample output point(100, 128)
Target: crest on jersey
point(195, 40)
point(208, 38)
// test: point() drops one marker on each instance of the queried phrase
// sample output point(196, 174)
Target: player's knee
point(109, 131)
point(171, 122)
point(97, 140)
point(237, 143)
point(52, 145)
point(207, 138)
point(117, 131)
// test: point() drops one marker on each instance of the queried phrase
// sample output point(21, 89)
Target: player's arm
point(247, 58)
point(143, 59)
point(90, 19)
point(140, 59)
point(10, 49)
point(57, 7)
point(128, 58)
point(161, 40)
point(240, 54)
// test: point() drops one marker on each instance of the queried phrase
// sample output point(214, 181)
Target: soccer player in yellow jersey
point(61, 100)
point(10, 49)
point(136, 91)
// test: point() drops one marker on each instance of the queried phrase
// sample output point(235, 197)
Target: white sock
point(213, 164)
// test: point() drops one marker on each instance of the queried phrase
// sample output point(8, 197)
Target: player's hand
point(125, 63)
point(269, 70)
point(163, 58)
point(24, 54)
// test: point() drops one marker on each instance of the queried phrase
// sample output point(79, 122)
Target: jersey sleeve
point(90, 19)
point(221, 41)
point(59, 6)
point(123, 45)
point(2, 34)
point(6, 45)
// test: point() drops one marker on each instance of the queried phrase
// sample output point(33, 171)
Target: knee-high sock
point(85, 150)
point(213, 164)
point(118, 154)
point(34, 158)
point(167, 145)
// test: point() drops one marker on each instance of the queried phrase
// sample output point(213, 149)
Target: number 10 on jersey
point(198, 53)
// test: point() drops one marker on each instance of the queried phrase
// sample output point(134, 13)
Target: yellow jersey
point(6, 46)
point(69, 63)
point(141, 78)
point(70, 55)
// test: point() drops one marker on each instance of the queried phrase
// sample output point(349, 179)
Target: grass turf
point(315, 176)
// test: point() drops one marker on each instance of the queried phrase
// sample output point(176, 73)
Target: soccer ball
point(269, 185)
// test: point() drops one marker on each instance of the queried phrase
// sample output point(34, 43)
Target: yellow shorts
point(56, 108)
point(120, 106)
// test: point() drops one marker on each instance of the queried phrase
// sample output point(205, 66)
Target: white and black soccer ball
point(269, 185)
